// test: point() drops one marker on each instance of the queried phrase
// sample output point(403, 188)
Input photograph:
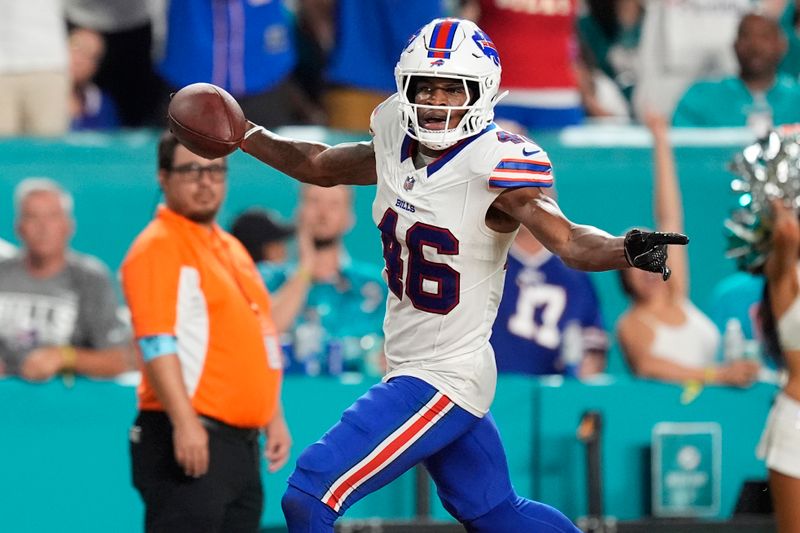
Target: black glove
point(648, 250)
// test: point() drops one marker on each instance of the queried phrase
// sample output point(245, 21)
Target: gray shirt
point(75, 307)
point(108, 16)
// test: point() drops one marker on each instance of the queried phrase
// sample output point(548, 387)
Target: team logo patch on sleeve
point(521, 173)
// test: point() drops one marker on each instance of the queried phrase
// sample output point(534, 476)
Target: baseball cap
point(256, 227)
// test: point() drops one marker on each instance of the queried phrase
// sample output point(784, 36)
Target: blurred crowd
point(108, 64)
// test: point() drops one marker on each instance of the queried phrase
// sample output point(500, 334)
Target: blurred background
point(588, 426)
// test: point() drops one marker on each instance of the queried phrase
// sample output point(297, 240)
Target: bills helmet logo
point(487, 46)
point(409, 184)
point(437, 63)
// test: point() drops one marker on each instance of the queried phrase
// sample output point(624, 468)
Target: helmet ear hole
point(411, 87)
point(474, 91)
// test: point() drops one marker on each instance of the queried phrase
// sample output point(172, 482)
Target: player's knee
point(304, 512)
point(516, 514)
point(296, 503)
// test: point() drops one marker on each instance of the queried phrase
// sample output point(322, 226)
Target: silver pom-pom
point(767, 169)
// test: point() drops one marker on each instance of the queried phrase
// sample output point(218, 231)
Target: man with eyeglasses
point(210, 356)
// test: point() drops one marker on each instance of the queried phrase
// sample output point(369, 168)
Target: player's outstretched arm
point(312, 162)
point(581, 246)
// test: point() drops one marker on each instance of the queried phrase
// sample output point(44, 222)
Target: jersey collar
point(409, 144)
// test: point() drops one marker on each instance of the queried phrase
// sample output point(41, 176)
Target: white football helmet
point(457, 49)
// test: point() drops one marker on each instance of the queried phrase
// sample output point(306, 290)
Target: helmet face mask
point(450, 49)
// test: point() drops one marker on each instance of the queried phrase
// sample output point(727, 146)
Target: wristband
point(252, 131)
point(303, 273)
point(69, 358)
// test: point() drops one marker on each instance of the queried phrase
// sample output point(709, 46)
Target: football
point(206, 120)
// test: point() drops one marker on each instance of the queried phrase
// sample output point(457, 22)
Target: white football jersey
point(444, 266)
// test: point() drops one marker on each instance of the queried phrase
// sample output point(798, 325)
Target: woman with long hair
point(780, 312)
point(663, 335)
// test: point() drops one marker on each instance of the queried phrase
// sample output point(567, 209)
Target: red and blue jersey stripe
point(521, 173)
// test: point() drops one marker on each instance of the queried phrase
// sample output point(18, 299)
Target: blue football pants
point(387, 431)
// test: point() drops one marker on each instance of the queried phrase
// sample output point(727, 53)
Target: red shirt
point(536, 40)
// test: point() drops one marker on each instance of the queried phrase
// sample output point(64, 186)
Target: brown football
point(206, 120)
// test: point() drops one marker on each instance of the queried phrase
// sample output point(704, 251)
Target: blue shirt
point(541, 298)
point(340, 328)
point(370, 35)
point(99, 112)
point(243, 46)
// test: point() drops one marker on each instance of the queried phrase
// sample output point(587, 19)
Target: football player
point(452, 190)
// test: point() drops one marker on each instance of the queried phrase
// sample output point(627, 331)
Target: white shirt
point(6, 249)
point(682, 42)
point(694, 343)
point(445, 266)
point(33, 36)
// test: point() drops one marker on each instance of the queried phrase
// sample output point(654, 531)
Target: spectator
point(321, 342)
point(663, 335)
point(212, 371)
point(780, 442)
point(790, 23)
point(262, 236)
point(126, 71)
point(58, 310)
point(601, 98)
point(758, 97)
point(244, 47)
point(612, 31)
point(680, 43)
point(34, 77)
point(90, 107)
point(526, 34)
point(543, 301)
point(265, 241)
point(362, 39)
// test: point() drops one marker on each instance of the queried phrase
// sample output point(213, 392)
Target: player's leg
point(785, 492)
point(472, 480)
point(388, 430)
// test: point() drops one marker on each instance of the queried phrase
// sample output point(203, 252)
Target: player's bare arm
point(582, 246)
point(579, 246)
point(313, 162)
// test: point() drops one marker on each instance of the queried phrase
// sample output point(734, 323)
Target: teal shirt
point(340, 329)
point(727, 103)
point(624, 47)
point(791, 61)
point(737, 296)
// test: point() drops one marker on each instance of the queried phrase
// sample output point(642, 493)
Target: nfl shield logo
point(409, 184)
